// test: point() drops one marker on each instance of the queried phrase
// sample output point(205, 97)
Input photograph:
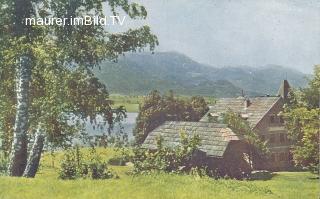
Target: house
point(225, 150)
point(221, 149)
point(263, 115)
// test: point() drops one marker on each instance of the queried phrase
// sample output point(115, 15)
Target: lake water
point(128, 125)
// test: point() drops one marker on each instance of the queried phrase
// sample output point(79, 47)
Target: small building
point(220, 148)
point(264, 116)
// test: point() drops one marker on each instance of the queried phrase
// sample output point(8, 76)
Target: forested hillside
point(137, 74)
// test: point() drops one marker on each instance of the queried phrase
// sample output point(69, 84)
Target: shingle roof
point(214, 138)
point(255, 111)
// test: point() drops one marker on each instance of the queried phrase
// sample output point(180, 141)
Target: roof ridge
point(204, 122)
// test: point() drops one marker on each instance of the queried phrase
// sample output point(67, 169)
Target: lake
point(128, 125)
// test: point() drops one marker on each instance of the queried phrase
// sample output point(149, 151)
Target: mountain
point(262, 79)
point(139, 73)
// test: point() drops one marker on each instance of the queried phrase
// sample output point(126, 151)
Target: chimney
point(284, 89)
point(246, 103)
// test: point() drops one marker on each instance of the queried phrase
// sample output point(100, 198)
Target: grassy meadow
point(131, 102)
point(301, 185)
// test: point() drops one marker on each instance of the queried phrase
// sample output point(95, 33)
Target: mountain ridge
point(139, 73)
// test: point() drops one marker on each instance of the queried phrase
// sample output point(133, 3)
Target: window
point(272, 118)
point(283, 137)
point(272, 138)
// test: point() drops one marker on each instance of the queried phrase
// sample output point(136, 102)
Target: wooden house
point(264, 116)
point(226, 151)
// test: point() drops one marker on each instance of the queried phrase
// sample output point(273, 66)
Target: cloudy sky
point(239, 32)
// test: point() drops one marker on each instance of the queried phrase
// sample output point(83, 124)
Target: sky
point(238, 32)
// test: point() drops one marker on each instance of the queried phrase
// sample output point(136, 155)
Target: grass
point(46, 185)
point(131, 103)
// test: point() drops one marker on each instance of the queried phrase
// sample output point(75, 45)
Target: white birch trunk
point(34, 155)
point(18, 156)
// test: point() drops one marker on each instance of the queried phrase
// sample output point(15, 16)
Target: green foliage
point(167, 159)
point(241, 127)
point(74, 166)
point(301, 116)
point(310, 95)
point(157, 109)
point(68, 166)
point(61, 101)
point(303, 126)
point(61, 58)
point(121, 158)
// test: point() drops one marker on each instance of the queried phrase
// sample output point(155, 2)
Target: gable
point(254, 112)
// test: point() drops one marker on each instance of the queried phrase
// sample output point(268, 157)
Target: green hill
point(138, 74)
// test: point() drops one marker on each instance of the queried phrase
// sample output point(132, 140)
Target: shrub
point(69, 167)
point(97, 168)
point(120, 159)
point(74, 166)
point(165, 159)
point(100, 171)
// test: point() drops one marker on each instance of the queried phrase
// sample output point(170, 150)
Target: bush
point(97, 168)
point(69, 168)
point(100, 171)
point(74, 166)
point(314, 168)
point(165, 159)
point(120, 159)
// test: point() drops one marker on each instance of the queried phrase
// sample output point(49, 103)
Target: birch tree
point(71, 47)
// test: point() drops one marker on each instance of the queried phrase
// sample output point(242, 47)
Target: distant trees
point(42, 58)
point(301, 116)
point(157, 108)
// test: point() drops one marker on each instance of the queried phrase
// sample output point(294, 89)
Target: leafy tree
point(157, 109)
point(301, 116)
point(257, 148)
point(48, 49)
point(61, 105)
point(303, 126)
point(310, 95)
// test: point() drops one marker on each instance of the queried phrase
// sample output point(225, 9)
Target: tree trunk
point(35, 155)
point(18, 156)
